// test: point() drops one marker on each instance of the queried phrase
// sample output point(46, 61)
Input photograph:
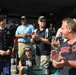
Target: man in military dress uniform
point(5, 48)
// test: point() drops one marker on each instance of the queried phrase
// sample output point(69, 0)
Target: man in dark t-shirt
point(66, 59)
point(42, 38)
point(69, 52)
point(27, 60)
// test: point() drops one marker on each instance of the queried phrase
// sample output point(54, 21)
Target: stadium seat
point(37, 70)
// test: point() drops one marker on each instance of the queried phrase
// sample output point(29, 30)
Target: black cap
point(28, 48)
point(41, 17)
point(23, 17)
point(2, 17)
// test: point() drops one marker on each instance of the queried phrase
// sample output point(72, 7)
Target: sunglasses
point(42, 21)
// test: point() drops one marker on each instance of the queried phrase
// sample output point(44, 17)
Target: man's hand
point(2, 52)
point(55, 55)
point(8, 52)
point(35, 36)
point(55, 43)
point(57, 60)
point(24, 35)
point(59, 64)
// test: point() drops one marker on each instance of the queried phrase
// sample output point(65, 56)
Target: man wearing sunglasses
point(23, 34)
point(42, 42)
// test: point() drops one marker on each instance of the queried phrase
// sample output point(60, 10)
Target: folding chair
point(37, 70)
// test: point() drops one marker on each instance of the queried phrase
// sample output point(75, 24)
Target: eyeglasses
point(70, 49)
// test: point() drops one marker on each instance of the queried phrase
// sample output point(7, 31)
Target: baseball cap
point(23, 17)
point(41, 17)
point(28, 48)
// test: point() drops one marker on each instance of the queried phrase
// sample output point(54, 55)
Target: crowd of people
point(63, 41)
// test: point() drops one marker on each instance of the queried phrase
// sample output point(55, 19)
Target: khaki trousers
point(43, 60)
point(21, 47)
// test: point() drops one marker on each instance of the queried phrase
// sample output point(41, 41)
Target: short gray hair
point(70, 23)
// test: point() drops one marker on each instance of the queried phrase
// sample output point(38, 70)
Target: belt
point(24, 42)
